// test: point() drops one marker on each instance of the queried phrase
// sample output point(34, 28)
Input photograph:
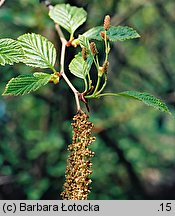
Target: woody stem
point(62, 60)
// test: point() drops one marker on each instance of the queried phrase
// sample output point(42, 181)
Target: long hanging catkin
point(76, 186)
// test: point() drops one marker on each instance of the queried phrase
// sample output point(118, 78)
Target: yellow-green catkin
point(77, 183)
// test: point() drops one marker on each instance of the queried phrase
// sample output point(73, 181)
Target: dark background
point(135, 146)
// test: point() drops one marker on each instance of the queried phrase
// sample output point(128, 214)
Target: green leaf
point(39, 52)
point(94, 33)
point(144, 97)
point(25, 84)
point(69, 17)
point(84, 42)
point(10, 51)
point(121, 33)
point(86, 65)
point(147, 99)
point(79, 67)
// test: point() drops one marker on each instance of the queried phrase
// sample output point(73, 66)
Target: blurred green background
point(135, 146)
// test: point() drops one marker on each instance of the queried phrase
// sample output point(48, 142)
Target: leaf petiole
point(85, 85)
point(103, 86)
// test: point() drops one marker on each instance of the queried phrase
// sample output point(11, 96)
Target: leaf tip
point(5, 93)
point(138, 35)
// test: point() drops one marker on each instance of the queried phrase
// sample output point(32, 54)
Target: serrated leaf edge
point(11, 80)
point(46, 61)
point(20, 56)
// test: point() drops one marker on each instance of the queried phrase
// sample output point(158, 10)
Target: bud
point(103, 35)
point(107, 21)
point(75, 43)
point(105, 67)
point(56, 81)
point(93, 48)
point(84, 53)
point(55, 78)
point(69, 43)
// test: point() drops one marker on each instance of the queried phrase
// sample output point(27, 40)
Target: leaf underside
point(10, 51)
point(79, 67)
point(69, 17)
point(24, 84)
point(39, 52)
point(84, 42)
point(147, 99)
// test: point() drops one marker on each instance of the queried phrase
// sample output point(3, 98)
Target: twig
point(1, 2)
point(63, 48)
point(60, 33)
point(76, 92)
point(62, 60)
